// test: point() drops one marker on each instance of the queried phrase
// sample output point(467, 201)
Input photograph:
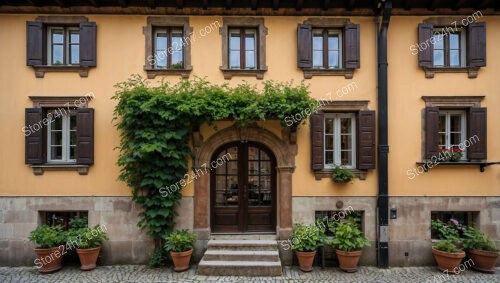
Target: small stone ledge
point(41, 70)
point(184, 73)
point(327, 173)
point(38, 170)
point(471, 71)
point(229, 73)
point(347, 73)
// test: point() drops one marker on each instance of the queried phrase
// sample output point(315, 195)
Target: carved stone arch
point(284, 149)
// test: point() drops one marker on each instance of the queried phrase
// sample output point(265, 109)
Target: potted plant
point(448, 255)
point(481, 249)
point(180, 245)
point(453, 154)
point(342, 175)
point(349, 241)
point(50, 247)
point(88, 243)
point(305, 240)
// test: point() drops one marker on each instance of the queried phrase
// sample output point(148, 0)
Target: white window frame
point(66, 132)
point(336, 142)
point(338, 32)
point(463, 128)
point(66, 45)
point(463, 45)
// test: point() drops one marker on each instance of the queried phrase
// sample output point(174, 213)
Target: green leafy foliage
point(158, 259)
point(342, 175)
point(476, 239)
point(307, 238)
point(46, 236)
point(87, 238)
point(155, 123)
point(180, 241)
point(78, 223)
point(349, 237)
point(447, 246)
point(451, 230)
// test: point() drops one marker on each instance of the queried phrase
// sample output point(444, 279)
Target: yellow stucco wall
point(120, 52)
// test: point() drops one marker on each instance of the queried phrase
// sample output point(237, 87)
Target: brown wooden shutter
point(85, 136)
point(88, 44)
point(317, 139)
point(476, 45)
point(304, 46)
point(351, 46)
point(34, 43)
point(477, 137)
point(425, 51)
point(366, 139)
point(431, 132)
point(33, 132)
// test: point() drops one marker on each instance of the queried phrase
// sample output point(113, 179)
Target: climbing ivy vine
point(155, 123)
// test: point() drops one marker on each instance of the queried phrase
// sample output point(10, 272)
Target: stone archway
point(285, 150)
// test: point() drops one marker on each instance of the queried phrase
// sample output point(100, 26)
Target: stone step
point(243, 255)
point(243, 245)
point(239, 268)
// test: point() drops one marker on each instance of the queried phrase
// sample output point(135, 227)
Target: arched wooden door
point(243, 189)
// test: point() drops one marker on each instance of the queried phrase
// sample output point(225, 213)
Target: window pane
point(346, 142)
point(57, 54)
point(333, 42)
point(161, 41)
point(438, 58)
point(442, 123)
point(345, 125)
point(455, 123)
point(161, 59)
point(250, 40)
point(442, 140)
point(438, 41)
point(56, 138)
point(72, 152)
point(455, 138)
point(234, 41)
point(329, 126)
point(454, 41)
point(56, 122)
point(454, 58)
point(234, 59)
point(333, 59)
point(318, 42)
point(57, 36)
point(176, 59)
point(250, 59)
point(177, 42)
point(345, 157)
point(72, 138)
point(328, 157)
point(72, 121)
point(75, 54)
point(56, 152)
point(318, 59)
point(74, 37)
point(329, 142)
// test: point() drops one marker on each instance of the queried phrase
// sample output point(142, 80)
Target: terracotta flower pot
point(348, 261)
point(50, 259)
point(181, 260)
point(306, 260)
point(484, 261)
point(88, 257)
point(448, 262)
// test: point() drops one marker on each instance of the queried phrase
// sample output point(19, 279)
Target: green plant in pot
point(342, 175)
point(50, 247)
point(88, 242)
point(446, 251)
point(348, 241)
point(305, 240)
point(180, 245)
point(481, 249)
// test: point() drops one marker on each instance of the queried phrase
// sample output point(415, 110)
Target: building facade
point(62, 60)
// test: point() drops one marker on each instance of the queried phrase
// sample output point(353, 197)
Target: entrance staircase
point(241, 258)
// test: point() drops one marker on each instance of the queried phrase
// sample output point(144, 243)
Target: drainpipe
point(383, 146)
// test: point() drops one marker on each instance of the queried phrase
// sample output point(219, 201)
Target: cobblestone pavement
point(139, 273)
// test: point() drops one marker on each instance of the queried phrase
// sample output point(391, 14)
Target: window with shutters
point(342, 133)
point(243, 47)
point(328, 47)
point(455, 122)
point(61, 44)
point(168, 46)
point(446, 46)
point(59, 134)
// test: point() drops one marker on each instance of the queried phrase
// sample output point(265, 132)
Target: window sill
point(229, 73)
point(41, 70)
point(40, 169)
point(347, 73)
point(327, 173)
point(471, 71)
point(184, 73)
point(426, 165)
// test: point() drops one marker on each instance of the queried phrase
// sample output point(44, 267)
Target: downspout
point(383, 146)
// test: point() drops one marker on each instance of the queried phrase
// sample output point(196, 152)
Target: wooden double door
point(243, 189)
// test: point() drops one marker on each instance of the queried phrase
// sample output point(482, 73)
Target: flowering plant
point(453, 154)
point(451, 230)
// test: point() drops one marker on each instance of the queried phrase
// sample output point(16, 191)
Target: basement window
point(467, 218)
point(53, 218)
